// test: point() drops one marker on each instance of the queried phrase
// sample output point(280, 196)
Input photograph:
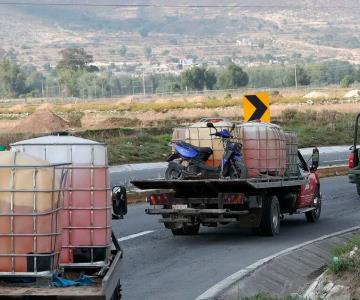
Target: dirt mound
point(17, 108)
point(118, 123)
point(168, 100)
point(47, 106)
point(352, 94)
point(127, 101)
point(196, 99)
point(316, 95)
point(41, 121)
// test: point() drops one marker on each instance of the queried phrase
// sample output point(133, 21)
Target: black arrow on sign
point(260, 107)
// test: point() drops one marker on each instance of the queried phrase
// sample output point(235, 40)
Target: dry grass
point(155, 111)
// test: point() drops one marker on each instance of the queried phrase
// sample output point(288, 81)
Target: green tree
point(347, 81)
point(87, 85)
point(233, 77)
point(75, 59)
point(12, 79)
point(210, 79)
point(69, 81)
point(144, 32)
point(301, 76)
point(193, 79)
point(147, 52)
point(34, 82)
point(123, 50)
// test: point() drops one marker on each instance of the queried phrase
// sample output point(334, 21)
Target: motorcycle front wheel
point(174, 172)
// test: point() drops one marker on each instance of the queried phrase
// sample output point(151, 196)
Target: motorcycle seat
point(203, 150)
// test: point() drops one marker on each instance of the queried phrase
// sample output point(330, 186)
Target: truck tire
point(187, 230)
point(177, 231)
point(314, 215)
point(270, 221)
point(173, 172)
point(117, 292)
point(191, 229)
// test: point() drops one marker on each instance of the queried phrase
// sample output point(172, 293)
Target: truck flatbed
point(221, 185)
point(104, 288)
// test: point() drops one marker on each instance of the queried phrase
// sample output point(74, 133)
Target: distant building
point(246, 42)
point(186, 62)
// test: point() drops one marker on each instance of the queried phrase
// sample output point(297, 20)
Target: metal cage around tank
point(87, 200)
point(274, 155)
point(200, 137)
point(31, 202)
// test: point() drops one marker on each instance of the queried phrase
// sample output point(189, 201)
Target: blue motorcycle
point(189, 161)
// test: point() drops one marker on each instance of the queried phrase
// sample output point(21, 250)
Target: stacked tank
point(264, 148)
point(292, 167)
point(267, 150)
point(30, 215)
point(87, 202)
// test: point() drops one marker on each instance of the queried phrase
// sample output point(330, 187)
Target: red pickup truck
point(256, 203)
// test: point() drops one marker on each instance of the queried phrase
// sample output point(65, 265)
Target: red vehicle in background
point(354, 158)
point(257, 203)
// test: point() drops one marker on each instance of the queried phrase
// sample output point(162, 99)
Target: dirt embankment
point(41, 121)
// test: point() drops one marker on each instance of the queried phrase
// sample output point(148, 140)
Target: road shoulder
point(289, 271)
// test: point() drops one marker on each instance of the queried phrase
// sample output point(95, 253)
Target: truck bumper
point(174, 218)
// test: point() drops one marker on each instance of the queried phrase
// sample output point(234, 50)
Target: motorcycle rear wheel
point(174, 172)
point(238, 171)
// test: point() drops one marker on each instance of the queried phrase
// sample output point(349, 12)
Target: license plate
point(179, 206)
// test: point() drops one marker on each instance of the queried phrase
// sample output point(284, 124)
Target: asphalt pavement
point(157, 265)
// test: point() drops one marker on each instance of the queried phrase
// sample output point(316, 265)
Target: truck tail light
point(160, 199)
point(352, 160)
point(236, 198)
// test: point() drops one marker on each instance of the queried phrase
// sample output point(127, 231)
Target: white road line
point(132, 236)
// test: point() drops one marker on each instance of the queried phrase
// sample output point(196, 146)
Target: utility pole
point(144, 87)
point(296, 82)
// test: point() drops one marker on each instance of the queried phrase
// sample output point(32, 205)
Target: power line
point(150, 5)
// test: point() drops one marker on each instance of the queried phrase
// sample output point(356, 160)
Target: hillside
point(157, 38)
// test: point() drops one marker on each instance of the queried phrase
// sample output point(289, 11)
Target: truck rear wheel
point(314, 215)
point(270, 221)
point(186, 230)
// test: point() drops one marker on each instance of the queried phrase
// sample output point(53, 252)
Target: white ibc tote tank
point(64, 149)
point(198, 134)
point(87, 201)
point(264, 148)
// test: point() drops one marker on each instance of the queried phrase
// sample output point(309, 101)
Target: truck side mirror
point(210, 125)
point(315, 159)
point(119, 202)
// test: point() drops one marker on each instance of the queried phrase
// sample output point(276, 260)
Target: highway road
point(157, 265)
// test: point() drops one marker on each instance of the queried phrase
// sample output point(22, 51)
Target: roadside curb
point(218, 289)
